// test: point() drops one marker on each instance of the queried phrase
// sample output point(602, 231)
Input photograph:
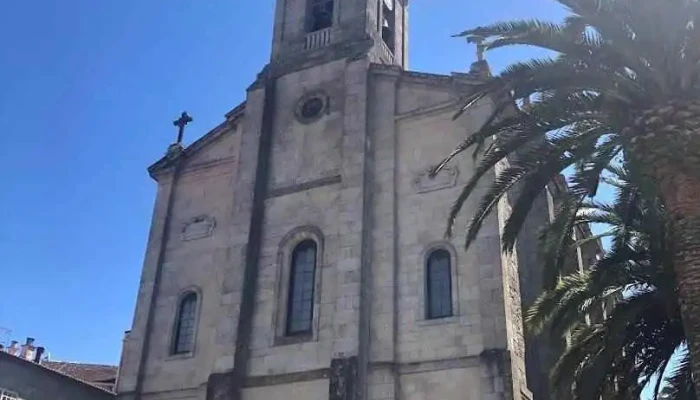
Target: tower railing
point(386, 53)
point(318, 39)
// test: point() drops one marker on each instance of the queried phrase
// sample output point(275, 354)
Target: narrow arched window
point(438, 285)
point(388, 23)
point(301, 289)
point(185, 325)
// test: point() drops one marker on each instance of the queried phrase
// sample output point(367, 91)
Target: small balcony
point(385, 53)
point(318, 39)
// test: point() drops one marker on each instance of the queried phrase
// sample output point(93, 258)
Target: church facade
point(297, 252)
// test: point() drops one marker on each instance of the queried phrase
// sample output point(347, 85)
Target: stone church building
point(297, 252)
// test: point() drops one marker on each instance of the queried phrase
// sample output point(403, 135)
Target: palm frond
point(632, 344)
point(679, 384)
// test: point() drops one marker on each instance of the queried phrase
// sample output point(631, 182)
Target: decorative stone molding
point(199, 227)
point(312, 106)
point(208, 164)
point(450, 106)
point(284, 190)
point(285, 379)
point(446, 178)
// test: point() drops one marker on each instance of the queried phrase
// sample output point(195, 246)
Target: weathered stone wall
point(422, 221)
point(197, 249)
point(304, 152)
point(410, 214)
point(304, 201)
point(34, 382)
point(384, 286)
point(231, 280)
point(541, 350)
point(356, 182)
point(312, 390)
point(453, 383)
point(513, 308)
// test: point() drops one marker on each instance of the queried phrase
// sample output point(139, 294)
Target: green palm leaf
point(621, 87)
point(631, 346)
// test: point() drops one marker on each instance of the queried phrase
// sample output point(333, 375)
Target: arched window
point(320, 14)
point(301, 289)
point(388, 23)
point(185, 325)
point(439, 285)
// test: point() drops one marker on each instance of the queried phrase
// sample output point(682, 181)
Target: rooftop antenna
point(5, 334)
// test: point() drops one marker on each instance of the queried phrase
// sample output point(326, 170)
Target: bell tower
point(315, 30)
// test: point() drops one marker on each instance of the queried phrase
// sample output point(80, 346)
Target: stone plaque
point(446, 178)
point(199, 227)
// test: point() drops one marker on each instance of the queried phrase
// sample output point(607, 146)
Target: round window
point(311, 107)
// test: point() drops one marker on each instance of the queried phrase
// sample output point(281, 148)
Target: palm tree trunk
point(665, 146)
point(680, 193)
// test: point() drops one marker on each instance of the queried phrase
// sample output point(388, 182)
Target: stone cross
point(181, 123)
point(480, 48)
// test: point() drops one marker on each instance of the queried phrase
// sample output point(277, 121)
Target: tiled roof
point(102, 376)
point(104, 389)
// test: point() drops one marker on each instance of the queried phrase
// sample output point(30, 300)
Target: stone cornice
point(236, 113)
point(386, 70)
point(451, 105)
point(289, 63)
point(208, 164)
point(455, 79)
point(412, 367)
point(303, 186)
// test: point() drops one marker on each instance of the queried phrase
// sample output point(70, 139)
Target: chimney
point(13, 349)
point(39, 353)
point(27, 350)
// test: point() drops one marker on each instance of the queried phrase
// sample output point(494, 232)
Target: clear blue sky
point(88, 92)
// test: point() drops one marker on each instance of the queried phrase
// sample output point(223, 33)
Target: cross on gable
point(480, 47)
point(181, 123)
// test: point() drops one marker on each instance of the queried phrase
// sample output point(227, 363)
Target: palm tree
point(631, 326)
point(679, 385)
point(624, 81)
